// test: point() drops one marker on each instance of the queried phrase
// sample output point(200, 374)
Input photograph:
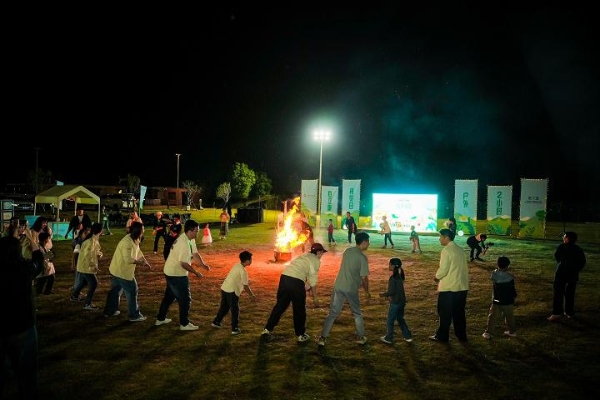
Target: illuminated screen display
point(405, 210)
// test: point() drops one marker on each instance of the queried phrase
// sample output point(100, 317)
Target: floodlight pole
point(320, 135)
point(178, 155)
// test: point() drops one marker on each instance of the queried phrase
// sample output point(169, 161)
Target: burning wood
point(289, 236)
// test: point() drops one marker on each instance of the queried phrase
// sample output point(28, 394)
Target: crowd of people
point(26, 255)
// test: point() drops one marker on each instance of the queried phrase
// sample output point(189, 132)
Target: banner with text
point(351, 199)
point(329, 205)
point(499, 210)
point(308, 201)
point(532, 219)
point(465, 206)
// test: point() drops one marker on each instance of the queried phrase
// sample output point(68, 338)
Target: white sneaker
point(303, 338)
point(265, 332)
point(140, 318)
point(486, 335)
point(165, 321)
point(507, 333)
point(362, 340)
point(188, 327)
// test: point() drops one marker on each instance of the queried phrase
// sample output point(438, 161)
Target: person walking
point(351, 225)
point(387, 232)
point(182, 258)
point(397, 296)
point(452, 278)
point(231, 290)
point(126, 258)
point(298, 277)
point(476, 243)
point(414, 238)
point(353, 273)
point(87, 266)
point(160, 229)
point(570, 260)
point(503, 299)
point(19, 335)
point(45, 280)
point(330, 228)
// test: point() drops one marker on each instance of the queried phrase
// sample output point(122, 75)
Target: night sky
point(414, 97)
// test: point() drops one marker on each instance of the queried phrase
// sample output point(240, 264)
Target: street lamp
point(320, 135)
point(178, 155)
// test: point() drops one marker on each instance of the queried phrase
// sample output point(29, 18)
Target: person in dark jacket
point(476, 243)
point(397, 296)
point(79, 221)
point(503, 299)
point(570, 260)
point(18, 336)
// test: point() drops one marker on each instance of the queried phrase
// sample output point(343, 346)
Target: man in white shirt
point(452, 278)
point(177, 267)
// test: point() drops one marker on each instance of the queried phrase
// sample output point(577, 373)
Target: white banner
point(499, 210)
point(351, 199)
point(308, 201)
point(532, 219)
point(329, 205)
point(465, 205)
point(142, 196)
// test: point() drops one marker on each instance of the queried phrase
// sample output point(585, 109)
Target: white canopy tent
point(57, 194)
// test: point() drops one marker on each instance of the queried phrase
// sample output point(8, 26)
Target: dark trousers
point(159, 234)
point(44, 284)
point(178, 287)
point(386, 237)
point(290, 290)
point(86, 279)
point(229, 301)
point(20, 353)
point(451, 310)
point(564, 296)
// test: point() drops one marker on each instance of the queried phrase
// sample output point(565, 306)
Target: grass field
point(83, 354)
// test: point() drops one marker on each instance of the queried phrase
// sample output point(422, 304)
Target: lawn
point(84, 354)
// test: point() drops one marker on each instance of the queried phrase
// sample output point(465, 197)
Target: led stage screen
point(405, 210)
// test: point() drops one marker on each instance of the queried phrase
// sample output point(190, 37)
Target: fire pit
point(283, 256)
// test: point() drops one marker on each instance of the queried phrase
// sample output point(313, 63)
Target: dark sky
point(415, 97)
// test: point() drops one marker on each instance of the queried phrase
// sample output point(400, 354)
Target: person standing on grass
point(178, 265)
point(87, 266)
point(503, 299)
point(105, 221)
point(18, 334)
point(79, 221)
point(45, 281)
point(353, 273)
point(351, 225)
point(224, 220)
point(570, 260)
point(296, 279)
point(387, 232)
point(452, 278)
point(397, 296)
point(231, 290)
point(126, 258)
point(160, 229)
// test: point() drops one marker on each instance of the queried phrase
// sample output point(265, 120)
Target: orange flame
point(289, 237)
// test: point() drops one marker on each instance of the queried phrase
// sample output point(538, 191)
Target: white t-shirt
point(235, 280)
point(182, 251)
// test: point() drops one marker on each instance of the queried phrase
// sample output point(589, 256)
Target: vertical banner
point(532, 219)
point(308, 201)
point(465, 206)
point(351, 199)
point(499, 210)
point(329, 205)
point(142, 196)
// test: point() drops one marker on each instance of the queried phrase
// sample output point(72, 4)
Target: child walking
point(503, 299)
point(231, 290)
point(330, 238)
point(414, 238)
point(206, 235)
point(397, 297)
